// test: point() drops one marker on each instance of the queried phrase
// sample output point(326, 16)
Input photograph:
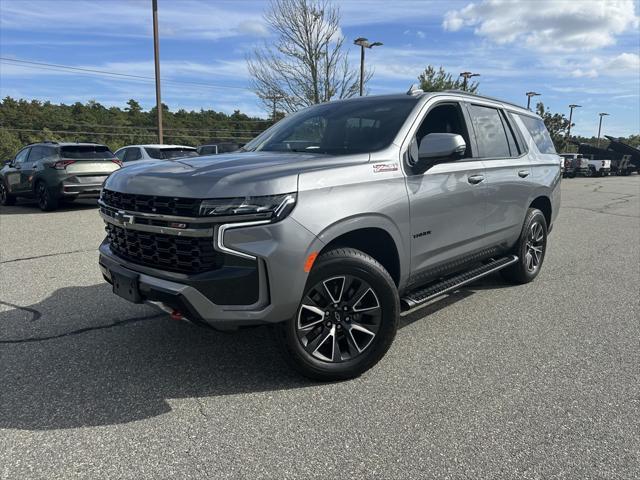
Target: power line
point(113, 134)
point(132, 128)
point(31, 64)
point(152, 128)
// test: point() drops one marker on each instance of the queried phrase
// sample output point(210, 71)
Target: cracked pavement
point(494, 381)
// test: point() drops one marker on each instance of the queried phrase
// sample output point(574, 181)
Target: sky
point(585, 52)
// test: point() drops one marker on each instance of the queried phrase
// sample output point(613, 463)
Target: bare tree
point(307, 64)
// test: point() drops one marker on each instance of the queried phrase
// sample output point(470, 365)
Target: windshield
point(170, 153)
point(86, 152)
point(357, 126)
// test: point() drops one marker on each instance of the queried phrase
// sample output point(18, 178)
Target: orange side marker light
point(309, 263)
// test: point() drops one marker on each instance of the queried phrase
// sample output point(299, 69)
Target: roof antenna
point(414, 91)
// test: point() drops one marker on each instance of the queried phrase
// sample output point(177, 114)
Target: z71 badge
point(385, 167)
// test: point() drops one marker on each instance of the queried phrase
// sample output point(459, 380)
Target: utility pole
point(529, 95)
point(364, 43)
point(274, 97)
point(465, 77)
point(571, 107)
point(156, 54)
point(600, 127)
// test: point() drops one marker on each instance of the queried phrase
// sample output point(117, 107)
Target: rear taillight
point(116, 161)
point(62, 164)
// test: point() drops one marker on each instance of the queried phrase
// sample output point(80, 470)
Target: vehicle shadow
point(68, 370)
point(83, 357)
point(27, 206)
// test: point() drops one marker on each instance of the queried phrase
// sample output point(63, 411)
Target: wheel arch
point(374, 240)
point(543, 203)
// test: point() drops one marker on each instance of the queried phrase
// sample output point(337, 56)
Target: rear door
point(509, 179)
point(447, 202)
point(29, 166)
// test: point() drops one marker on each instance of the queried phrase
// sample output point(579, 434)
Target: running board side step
point(417, 299)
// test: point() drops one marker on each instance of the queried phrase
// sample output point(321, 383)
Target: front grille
point(167, 252)
point(185, 207)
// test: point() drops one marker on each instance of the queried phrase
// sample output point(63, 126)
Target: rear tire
point(47, 200)
point(531, 248)
point(6, 198)
point(346, 320)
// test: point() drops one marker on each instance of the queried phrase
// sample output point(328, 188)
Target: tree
point(432, 80)
point(307, 63)
point(556, 124)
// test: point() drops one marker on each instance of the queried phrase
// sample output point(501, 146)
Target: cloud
point(624, 64)
point(117, 18)
point(547, 25)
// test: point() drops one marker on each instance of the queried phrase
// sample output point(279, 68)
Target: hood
point(226, 175)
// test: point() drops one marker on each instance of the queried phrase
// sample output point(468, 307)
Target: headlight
point(273, 207)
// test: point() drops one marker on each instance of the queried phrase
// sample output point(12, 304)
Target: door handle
point(523, 173)
point(475, 179)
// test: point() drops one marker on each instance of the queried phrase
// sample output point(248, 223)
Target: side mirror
point(443, 146)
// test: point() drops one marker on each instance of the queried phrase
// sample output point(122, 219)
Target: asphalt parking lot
point(536, 381)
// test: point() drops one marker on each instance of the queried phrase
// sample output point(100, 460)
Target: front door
point(14, 175)
point(448, 201)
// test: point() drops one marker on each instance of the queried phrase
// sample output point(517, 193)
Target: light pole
point(571, 107)
point(466, 76)
point(600, 127)
point(364, 43)
point(156, 55)
point(529, 95)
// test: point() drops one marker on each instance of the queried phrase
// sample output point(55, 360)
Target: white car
point(134, 153)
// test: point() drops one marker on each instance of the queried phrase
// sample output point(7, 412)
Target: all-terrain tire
point(340, 296)
point(530, 249)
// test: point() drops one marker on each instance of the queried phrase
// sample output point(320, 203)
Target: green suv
point(51, 171)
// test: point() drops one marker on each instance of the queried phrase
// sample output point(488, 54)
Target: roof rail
point(462, 92)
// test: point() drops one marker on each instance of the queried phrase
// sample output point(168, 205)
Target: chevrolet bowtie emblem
point(124, 217)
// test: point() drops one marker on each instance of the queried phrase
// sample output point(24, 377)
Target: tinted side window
point(133, 153)
point(120, 154)
point(538, 131)
point(36, 154)
point(514, 148)
point(490, 134)
point(22, 155)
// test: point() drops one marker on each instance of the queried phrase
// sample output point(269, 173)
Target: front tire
point(346, 320)
point(6, 198)
point(47, 201)
point(531, 248)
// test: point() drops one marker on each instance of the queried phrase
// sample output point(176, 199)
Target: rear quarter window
point(539, 132)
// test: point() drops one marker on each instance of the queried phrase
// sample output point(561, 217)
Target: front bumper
point(216, 297)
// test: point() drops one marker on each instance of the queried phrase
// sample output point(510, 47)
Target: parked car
point(575, 164)
point(217, 148)
point(337, 220)
point(52, 171)
point(134, 153)
point(599, 168)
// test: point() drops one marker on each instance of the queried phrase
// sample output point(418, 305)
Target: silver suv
point(337, 220)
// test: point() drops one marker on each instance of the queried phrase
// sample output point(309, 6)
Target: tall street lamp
point(600, 128)
point(466, 76)
point(364, 43)
point(529, 95)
